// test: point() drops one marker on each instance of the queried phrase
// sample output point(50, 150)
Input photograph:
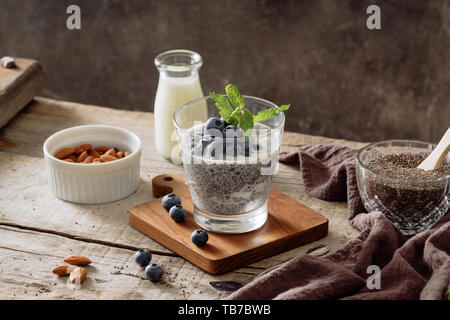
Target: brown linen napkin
point(414, 268)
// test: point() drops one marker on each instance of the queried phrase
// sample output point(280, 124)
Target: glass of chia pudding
point(390, 182)
point(229, 171)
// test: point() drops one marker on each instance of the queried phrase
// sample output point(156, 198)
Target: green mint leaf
point(243, 119)
point(235, 96)
point(246, 120)
point(284, 107)
point(265, 114)
point(270, 113)
point(235, 117)
point(233, 120)
point(222, 103)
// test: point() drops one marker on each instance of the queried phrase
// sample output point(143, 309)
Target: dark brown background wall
point(342, 80)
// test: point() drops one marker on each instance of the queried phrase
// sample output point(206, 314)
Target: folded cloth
point(416, 267)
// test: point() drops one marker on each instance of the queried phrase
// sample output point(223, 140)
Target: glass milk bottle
point(179, 83)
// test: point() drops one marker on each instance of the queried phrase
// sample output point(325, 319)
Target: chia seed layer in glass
point(230, 187)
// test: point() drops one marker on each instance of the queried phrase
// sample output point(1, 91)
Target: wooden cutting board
point(18, 86)
point(290, 224)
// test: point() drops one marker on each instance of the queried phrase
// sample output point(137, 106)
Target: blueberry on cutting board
point(177, 213)
point(170, 200)
point(199, 237)
point(143, 257)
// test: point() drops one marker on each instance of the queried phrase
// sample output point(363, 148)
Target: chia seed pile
point(410, 197)
point(404, 166)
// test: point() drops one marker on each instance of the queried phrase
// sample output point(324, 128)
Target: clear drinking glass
point(412, 205)
point(230, 177)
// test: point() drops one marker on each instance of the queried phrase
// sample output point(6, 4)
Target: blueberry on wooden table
point(199, 237)
point(153, 272)
point(143, 257)
point(170, 200)
point(177, 213)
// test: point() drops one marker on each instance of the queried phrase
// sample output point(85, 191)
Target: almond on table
point(77, 259)
point(78, 275)
point(63, 270)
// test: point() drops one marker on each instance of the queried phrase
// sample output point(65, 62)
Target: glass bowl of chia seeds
point(390, 182)
point(229, 174)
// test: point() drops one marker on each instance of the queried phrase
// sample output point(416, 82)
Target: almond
point(111, 152)
point(101, 149)
point(64, 153)
point(97, 160)
point(119, 154)
point(78, 260)
point(83, 147)
point(106, 158)
point(89, 159)
point(94, 153)
point(82, 156)
point(63, 270)
point(78, 275)
point(126, 153)
point(68, 160)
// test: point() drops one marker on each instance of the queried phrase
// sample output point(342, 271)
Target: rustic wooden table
point(37, 229)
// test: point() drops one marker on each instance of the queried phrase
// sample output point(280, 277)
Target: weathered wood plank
point(27, 257)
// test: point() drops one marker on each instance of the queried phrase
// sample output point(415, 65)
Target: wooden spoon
point(434, 160)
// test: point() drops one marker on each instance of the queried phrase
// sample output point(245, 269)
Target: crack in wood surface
point(83, 239)
point(28, 252)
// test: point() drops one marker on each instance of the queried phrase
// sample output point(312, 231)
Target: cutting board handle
point(167, 183)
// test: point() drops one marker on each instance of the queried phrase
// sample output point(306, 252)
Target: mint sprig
point(222, 103)
point(270, 113)
point(241, 116)
point(235, 96)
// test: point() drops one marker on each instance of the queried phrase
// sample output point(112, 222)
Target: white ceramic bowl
point(93, 183)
